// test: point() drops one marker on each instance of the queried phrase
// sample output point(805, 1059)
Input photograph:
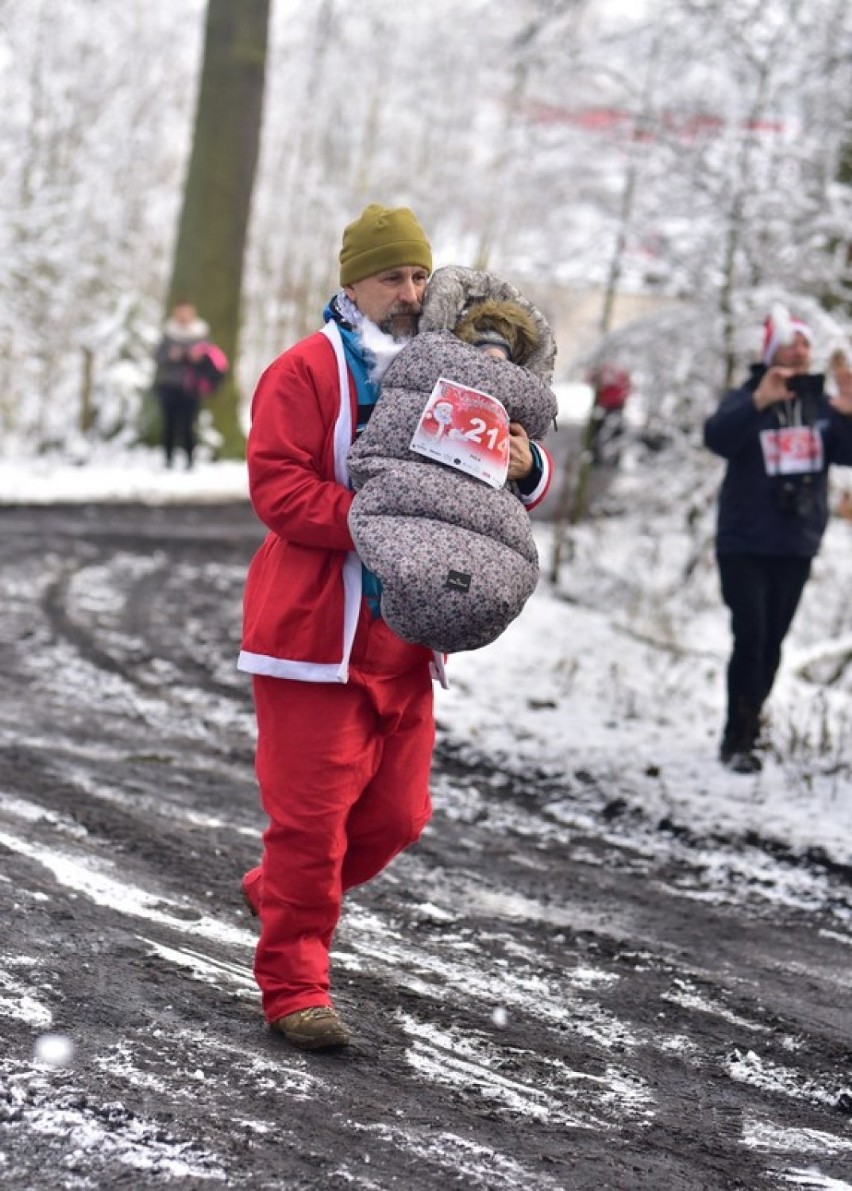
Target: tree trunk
point(214, 221)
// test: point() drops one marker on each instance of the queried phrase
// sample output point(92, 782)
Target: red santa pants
point(344, 779)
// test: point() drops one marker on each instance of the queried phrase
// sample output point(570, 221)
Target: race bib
point(795, 450)
point(465, 429)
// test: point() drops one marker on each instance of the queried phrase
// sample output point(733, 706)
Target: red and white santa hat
point(780, 328)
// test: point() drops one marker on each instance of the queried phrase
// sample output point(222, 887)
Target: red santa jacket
point(303, 590)
point(304, 586)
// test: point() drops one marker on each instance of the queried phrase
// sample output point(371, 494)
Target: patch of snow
point(748, 1067)
point(120, 895)
point(107, 1132)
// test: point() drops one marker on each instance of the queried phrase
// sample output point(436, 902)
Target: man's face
point(391, 299)
point(795, 355)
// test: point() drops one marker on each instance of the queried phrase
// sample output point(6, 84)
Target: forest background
point(654, 175)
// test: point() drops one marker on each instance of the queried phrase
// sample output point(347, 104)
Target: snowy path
point(555, 989)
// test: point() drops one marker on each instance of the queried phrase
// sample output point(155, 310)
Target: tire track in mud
point(545, 993)
point(144, 627)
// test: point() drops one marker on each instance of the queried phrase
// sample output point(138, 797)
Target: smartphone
point(808, 384)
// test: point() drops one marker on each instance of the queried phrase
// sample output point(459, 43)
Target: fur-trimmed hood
point(453, 290)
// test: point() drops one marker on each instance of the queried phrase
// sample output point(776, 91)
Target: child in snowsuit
point(455, 557)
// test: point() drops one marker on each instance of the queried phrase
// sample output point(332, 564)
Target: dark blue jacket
point(761, 513)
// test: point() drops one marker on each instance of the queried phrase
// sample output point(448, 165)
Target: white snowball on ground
point(54, 1050)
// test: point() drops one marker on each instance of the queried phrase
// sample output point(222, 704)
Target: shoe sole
point(333, 1040)
point(335, 1043)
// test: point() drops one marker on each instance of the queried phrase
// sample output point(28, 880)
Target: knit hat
point(382, 238)
point(501, 322)
point(779, 330)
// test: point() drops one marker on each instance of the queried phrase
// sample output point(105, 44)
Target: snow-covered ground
point(511, 980)
point(617, 671)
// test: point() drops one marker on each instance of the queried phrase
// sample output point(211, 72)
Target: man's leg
point(316, 752)
point(396, 805)
point(744, 584)
point(788, 575)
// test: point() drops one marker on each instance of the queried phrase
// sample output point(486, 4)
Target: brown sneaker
point(317, 1028)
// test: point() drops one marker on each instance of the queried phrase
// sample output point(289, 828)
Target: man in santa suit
point(344, 705)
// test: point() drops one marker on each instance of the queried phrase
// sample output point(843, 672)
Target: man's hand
point(520, 455)
point(773, 387)
point(843, 401)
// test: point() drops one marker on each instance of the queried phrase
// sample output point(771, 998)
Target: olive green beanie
point(382, 238)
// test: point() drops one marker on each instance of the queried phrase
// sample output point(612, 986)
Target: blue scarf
point(360, 362)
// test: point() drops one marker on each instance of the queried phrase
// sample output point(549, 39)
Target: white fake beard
point(382, 347)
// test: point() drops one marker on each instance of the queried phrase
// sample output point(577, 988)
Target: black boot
point(738, 749)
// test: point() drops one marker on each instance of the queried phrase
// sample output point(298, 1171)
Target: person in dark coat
point(611, 386)
point(779, 433)
point(174, 379)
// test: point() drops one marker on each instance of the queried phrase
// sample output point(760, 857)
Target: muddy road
point(546, 992)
